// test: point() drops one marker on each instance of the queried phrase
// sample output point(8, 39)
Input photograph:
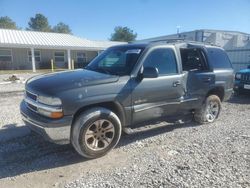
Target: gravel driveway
point(189, 155)
point(11, 95)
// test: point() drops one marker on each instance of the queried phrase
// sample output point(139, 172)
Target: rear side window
point(218, 58)
point(163, 59)
point(193, 59)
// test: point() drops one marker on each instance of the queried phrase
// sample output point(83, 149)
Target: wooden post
point(52, 65)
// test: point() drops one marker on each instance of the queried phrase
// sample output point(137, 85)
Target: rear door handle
point(175, 84)
point(206, 80)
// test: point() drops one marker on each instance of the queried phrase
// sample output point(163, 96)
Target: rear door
point(200, 77)
point(156, 97)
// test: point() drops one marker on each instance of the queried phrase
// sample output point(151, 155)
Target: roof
point(44, 40)
point(223, 31)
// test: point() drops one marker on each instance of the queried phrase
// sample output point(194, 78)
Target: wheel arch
point(113, 106)
point(219, 91)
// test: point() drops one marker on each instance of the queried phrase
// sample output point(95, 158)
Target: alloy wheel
point(99, 135)
point(212, 111)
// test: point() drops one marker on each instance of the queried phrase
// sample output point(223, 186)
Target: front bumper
point(53, 130)
point(239, 86)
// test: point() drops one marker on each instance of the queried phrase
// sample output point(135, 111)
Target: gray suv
point(125, 87)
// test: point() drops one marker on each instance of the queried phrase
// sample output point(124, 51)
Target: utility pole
point(178, 30)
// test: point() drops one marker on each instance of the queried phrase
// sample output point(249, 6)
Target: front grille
point(31, 95)
point(245, 78)
point(33, 108)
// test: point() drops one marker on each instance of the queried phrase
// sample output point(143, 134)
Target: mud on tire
point(209, 110)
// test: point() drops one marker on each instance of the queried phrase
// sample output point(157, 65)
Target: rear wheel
point(209, 111)
point(96, 132)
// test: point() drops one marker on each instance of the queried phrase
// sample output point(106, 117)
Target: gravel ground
point(11, 124)
point(10, 114)
point(11, 95)
point(188, 155)
point(212, 155)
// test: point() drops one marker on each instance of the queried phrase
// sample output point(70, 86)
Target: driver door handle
point(206, 79)
point(175, 84)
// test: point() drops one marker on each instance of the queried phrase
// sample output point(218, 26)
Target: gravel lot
point(188, 155)
point(11, 95)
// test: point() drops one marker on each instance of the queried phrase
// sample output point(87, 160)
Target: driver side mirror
point(149, 72)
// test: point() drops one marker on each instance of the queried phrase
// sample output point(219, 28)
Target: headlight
point(238, 76)
point(49, 100)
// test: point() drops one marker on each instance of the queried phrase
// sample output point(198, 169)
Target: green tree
point(61, 28)
point(7, 23)
point(123, 34)
point(39, 23)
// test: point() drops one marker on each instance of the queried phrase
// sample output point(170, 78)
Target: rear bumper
point(56, 131)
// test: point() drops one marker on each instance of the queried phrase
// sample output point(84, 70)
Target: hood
point(55, 82)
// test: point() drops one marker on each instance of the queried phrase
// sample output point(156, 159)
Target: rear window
point(218, 58)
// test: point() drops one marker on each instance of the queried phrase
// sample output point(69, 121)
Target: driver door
point(157, 97)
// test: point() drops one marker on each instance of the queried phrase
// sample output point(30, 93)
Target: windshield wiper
point(104, 71)
point(101, 70)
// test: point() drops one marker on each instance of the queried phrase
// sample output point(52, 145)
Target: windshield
point(116, 61)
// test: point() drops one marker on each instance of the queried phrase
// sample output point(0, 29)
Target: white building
point(237, 44)
point(35, 50)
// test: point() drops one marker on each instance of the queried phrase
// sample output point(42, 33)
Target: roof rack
point(169, 40)
point(172, 40)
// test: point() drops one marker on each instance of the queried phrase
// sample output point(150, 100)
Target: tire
point(209, 111)
point(95, 132)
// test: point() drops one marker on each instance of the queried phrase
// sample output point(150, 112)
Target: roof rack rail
point(168, 40)
point(172, 40)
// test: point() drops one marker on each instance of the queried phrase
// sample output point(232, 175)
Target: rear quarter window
point(218, 58)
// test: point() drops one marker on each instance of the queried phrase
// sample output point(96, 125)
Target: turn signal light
point(56, 115)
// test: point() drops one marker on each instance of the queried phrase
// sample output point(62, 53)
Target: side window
point(193, 59)
point(219, 58)
point(163, 59)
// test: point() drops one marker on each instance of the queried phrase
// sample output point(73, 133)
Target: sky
point(96, 19)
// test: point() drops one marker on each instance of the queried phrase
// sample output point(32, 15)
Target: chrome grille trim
point(31, 99)
point(31, 107)
point(43, 106)
point(31, 95)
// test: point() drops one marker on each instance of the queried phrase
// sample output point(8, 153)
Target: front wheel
point(209, 110)
point(95, 132)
